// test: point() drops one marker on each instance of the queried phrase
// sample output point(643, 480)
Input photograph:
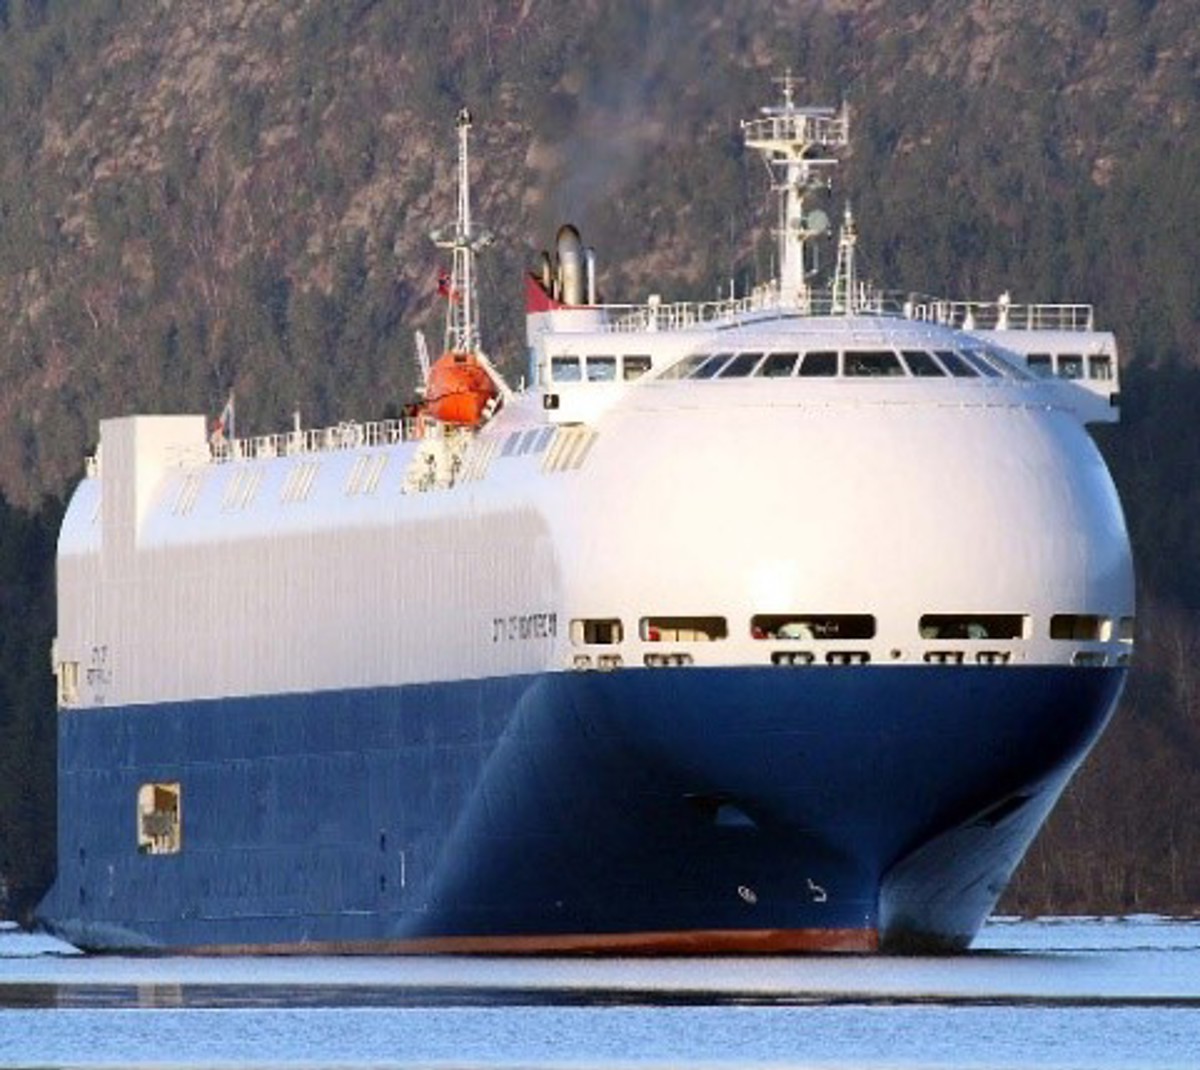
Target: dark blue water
point(1077, 994)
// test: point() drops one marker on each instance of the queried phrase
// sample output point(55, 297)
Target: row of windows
point(851, 363)
point(607, 631)
point(599, 369)
point(868, 363)
point(1071, 366)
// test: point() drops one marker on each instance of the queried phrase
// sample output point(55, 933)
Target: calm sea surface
point(1084, 994)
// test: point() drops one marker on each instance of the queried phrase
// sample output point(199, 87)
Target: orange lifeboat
point(459, 389)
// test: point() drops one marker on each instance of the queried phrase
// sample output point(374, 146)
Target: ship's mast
point(464, 239)
point(797, 146)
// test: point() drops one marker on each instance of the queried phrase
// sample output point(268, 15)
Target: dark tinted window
point(711, 366)
point(921, 364)
point(778, 365)
point(875, 363)
point(1040, 364)
point(741, 365)
point(819, 364)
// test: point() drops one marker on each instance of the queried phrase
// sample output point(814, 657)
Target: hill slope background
point(205, 195)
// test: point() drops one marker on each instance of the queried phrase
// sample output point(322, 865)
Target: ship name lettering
point(99, 671)
point(524, 626)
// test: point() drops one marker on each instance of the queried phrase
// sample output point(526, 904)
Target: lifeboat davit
point(459, 389)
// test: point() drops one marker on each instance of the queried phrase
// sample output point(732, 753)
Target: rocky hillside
point(204, 194)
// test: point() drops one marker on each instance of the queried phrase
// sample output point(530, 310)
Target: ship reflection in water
point(1100, 994)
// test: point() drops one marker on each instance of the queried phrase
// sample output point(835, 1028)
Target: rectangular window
point(1085, 626)
point(778, 365)
point(1125, 629)
point(159, 818)
point(1100, 367)
point(601, 369)
point(819, 365)
point(1041, 365)
point(591, 631)
point(1070, 366)
point(974, 626)
point(634, 367)
point(682, 629)
point(812, 626)
point(872, 364)
point(565, 369)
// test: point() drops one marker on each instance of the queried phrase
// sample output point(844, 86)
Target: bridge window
point(881, 363)
point(565, 369)
point(601, 369)
point(711, 366)
point(634, 367)
point(812, 626)
point(778, 365)
point(819, 365)
point(921, 364)
point(741, 365)
point(955, 365)
point(1070, 366)
point(974, 626)
point(1041, 364)
point(1100, 367)
point(682, 629)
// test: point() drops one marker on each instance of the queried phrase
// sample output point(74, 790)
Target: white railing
point(344, 436)
point(1001, 314)
point(806, 126)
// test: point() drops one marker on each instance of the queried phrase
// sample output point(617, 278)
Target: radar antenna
point(797, 145)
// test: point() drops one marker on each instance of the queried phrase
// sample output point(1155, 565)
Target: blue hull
point(822, 808)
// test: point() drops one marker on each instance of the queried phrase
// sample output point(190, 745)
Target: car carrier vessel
point(774, 623)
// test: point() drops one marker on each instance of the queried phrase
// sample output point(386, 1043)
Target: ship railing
point(767, 301)
point(998, 315)
point(349, 434)
point(806, 126)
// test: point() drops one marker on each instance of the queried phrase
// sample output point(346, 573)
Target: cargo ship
point(772, 623)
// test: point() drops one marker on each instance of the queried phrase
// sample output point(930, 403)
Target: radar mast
point(797, 145)
point(464, 239)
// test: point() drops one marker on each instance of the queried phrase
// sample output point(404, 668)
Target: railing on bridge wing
point(1002, 314)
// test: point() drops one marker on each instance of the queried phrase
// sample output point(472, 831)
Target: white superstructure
point(827, 476)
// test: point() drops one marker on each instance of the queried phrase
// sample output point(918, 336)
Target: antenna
point(464, 239)
point(797, 145)
point(422, 361)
